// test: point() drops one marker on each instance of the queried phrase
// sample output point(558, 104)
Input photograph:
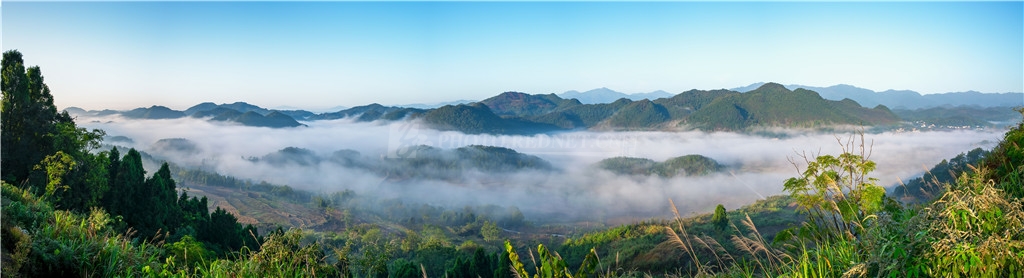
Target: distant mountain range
point(768, 105)
point(605, 95)
point(238, 112)
point(904, 99)
point(435, 105)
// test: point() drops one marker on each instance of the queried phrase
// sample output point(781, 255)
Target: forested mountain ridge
point(774, 105)
point(769, 105)
point(238, 112)
point(524, 105)
point(906, 99)
point(477, 118)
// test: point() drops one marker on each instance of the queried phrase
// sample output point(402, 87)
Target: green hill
point(207, 109)
point(683, 104)
point(425, 162)
point(399, 114)
point(153, 112)
point(642, 114)
point(477, 118)
point(880, 115)
point(370, 112)
point(774, 105)
point(581, 116)
point(217, 114)
point(687, 165)
point(274, 119)
point(205, 106)
point(521, 105)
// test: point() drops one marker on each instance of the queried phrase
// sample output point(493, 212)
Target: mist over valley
point(550, 177)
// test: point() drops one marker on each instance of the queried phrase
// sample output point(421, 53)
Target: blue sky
point(315, 55)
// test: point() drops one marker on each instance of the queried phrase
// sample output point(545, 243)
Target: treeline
point(46, 155)
point(931, 184)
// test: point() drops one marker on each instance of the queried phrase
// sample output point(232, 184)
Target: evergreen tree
point(223, 231)
point(113, 166)
point(720, 219)
point(502, 270)
point(127, 190)
point(161, 208)
point(27, 117)
point(480, 265)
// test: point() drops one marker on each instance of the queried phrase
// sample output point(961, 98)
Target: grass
point(974, 229)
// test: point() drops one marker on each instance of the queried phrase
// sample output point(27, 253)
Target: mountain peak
point(512, 94)
point(772, 87)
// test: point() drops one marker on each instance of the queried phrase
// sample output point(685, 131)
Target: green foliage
point(223, 231)
point(56, 166)
point(1007, 161)
point(41, 241)
point(374, 254)
point(720, 219)
point(282, 255)
point(64, 170)
point(551, 264)
point(976, 230)
point(29, 119)
point(188, 252)
point(837, 193)
point(479, 265)
point(490, 231)
point(972, 230)
point(126, 186)
point(634, 246)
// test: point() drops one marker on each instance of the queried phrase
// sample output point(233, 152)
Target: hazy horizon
point(328, 107)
